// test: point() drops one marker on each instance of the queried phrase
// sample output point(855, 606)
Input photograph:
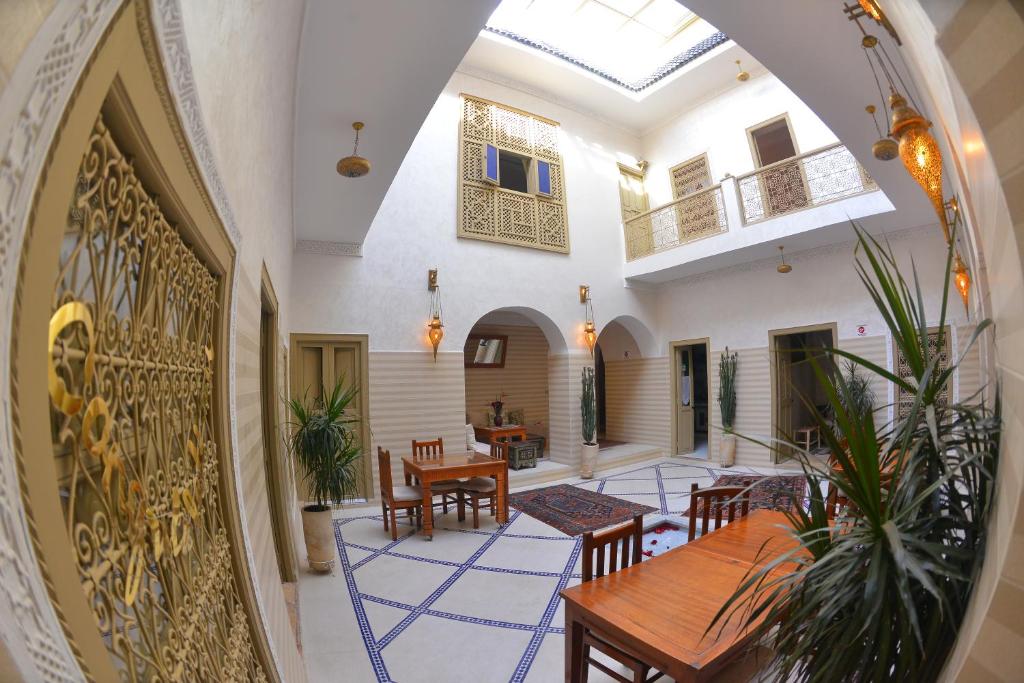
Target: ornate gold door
point(119, 388)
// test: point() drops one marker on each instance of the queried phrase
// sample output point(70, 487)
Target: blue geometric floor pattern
point(481, 605)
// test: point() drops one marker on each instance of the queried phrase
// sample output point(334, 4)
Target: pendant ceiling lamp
point(919, 153)
point(783, 267)
point(742, 75)
point(354, 166)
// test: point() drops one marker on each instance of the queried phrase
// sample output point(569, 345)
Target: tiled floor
point(479, 606)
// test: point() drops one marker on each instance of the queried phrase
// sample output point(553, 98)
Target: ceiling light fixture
point(919, 153)
point(354, 166)
point(742, 75)
point(783, 267)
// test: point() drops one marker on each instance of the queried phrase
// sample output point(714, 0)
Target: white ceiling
point(518, 65)
point(383, 63)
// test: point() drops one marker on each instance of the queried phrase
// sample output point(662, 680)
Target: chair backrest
point(384, 465)
point(623, 545)
point(428, 450)
point(835, 502)
point(709, 503)
point(499, 448)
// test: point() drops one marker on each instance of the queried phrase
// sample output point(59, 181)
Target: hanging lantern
point(590, 335)
point(919, 153)
point(885, 148)
point(589, 329)
point(783, 267)
point(435, 328)
point(962, 279)
point(354, 166)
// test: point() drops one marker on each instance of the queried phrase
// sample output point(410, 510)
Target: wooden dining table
point(456, 466)
point(661, 608)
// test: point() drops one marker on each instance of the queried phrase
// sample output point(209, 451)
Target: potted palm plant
point(325, 443)
point(890, 577)
point(727, 405)
point(588, 411)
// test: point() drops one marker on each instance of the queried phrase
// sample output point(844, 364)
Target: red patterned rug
point(771, 492)
point(575, 511)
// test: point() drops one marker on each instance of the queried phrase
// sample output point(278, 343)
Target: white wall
point(718, 126)
point(384, 292)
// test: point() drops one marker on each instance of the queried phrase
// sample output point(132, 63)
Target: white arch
point(646, 344)
point(556, 340)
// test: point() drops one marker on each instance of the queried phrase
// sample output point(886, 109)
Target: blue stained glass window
point(491, 164)
point(543, 177)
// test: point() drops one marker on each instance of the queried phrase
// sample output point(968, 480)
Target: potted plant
point(727, 405)
point(588, 411)
point(327, 448)
point(889, 573)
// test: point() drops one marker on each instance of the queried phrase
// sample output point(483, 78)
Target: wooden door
point(784, 394)
point(318, 361)
point(632, 194)
point(684, 403)
point(783, 185)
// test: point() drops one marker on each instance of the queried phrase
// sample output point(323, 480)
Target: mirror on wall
point(486, 350)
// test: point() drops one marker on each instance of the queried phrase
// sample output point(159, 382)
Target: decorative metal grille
point(938, 343)
point(495, 214)
point(690, 176)
point(131, 378)
point(686, 219)
point(818, 177)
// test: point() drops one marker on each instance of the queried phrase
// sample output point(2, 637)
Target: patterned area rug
point(575, 511)
point(771, 493)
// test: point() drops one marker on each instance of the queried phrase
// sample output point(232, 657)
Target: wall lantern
point(961, 275)
point(589, 330)
point(354, 166)
point(435, 328)
point(783, 267)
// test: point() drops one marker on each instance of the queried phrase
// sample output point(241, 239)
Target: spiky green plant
point(727, 389)
point(588, 407)
point(325, 444)
point(880, 595)
point(861, 399)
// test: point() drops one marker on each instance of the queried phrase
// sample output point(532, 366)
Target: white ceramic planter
point(727, 451)
point(319, 534)
point(588, 460)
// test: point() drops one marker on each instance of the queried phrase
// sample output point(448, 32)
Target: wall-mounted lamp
point(961, 274)
point(589, 329)
point(435, 328)
point(783, 267)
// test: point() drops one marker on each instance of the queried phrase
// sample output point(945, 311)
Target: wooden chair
point(408, 498)
point(483, 488)
point(615, 548)
point(446, 488)
point(715, 499)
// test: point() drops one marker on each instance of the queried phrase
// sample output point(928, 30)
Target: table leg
point(501, 489)
point(573, 647)
point(428, 511)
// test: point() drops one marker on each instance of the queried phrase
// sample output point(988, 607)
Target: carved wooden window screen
point(535, 219)
point(133, 343)
point(938, 342)
point(693, 175)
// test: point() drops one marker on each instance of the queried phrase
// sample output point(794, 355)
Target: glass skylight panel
point(628, 41)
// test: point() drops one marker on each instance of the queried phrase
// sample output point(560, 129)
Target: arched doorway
point(632, 404)
point(507, 360)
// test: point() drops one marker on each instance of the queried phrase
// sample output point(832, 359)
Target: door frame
point(275, 466)
point(773, 336)
point(674, 382)
point(295, 339)
point(754, 154)
point(642, 177)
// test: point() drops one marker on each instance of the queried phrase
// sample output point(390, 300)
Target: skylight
point(630, 42)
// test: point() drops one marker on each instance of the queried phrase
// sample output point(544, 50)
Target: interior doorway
point(783, 185)
point(691, 415)
point(274, 467)
point(320, 360)
point(794, 384)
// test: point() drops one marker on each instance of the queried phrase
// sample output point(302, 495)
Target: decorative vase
point(498, 419)
point(727, 451)
point(588, 459)
point(318, 531)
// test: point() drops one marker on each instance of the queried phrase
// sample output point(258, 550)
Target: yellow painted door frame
point(679, 415)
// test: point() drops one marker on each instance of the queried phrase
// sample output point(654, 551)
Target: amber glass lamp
point(435, 333)
point(590, 335)
point(919, 153)
point(962, 279)
point(435, 328)
point(589, 329)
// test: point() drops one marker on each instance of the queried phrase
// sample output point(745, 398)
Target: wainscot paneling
point(523, 381)
point(638, 400)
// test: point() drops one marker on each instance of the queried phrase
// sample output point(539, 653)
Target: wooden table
point(661, 607)
point(456, 466)
point(488, 434)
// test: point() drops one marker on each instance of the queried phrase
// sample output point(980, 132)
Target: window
point(772, 141)
point(938, 343)
point(693, 175)
point(510, 184)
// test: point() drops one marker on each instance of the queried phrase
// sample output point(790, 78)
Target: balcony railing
point(689, 218)
point(801, 182)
